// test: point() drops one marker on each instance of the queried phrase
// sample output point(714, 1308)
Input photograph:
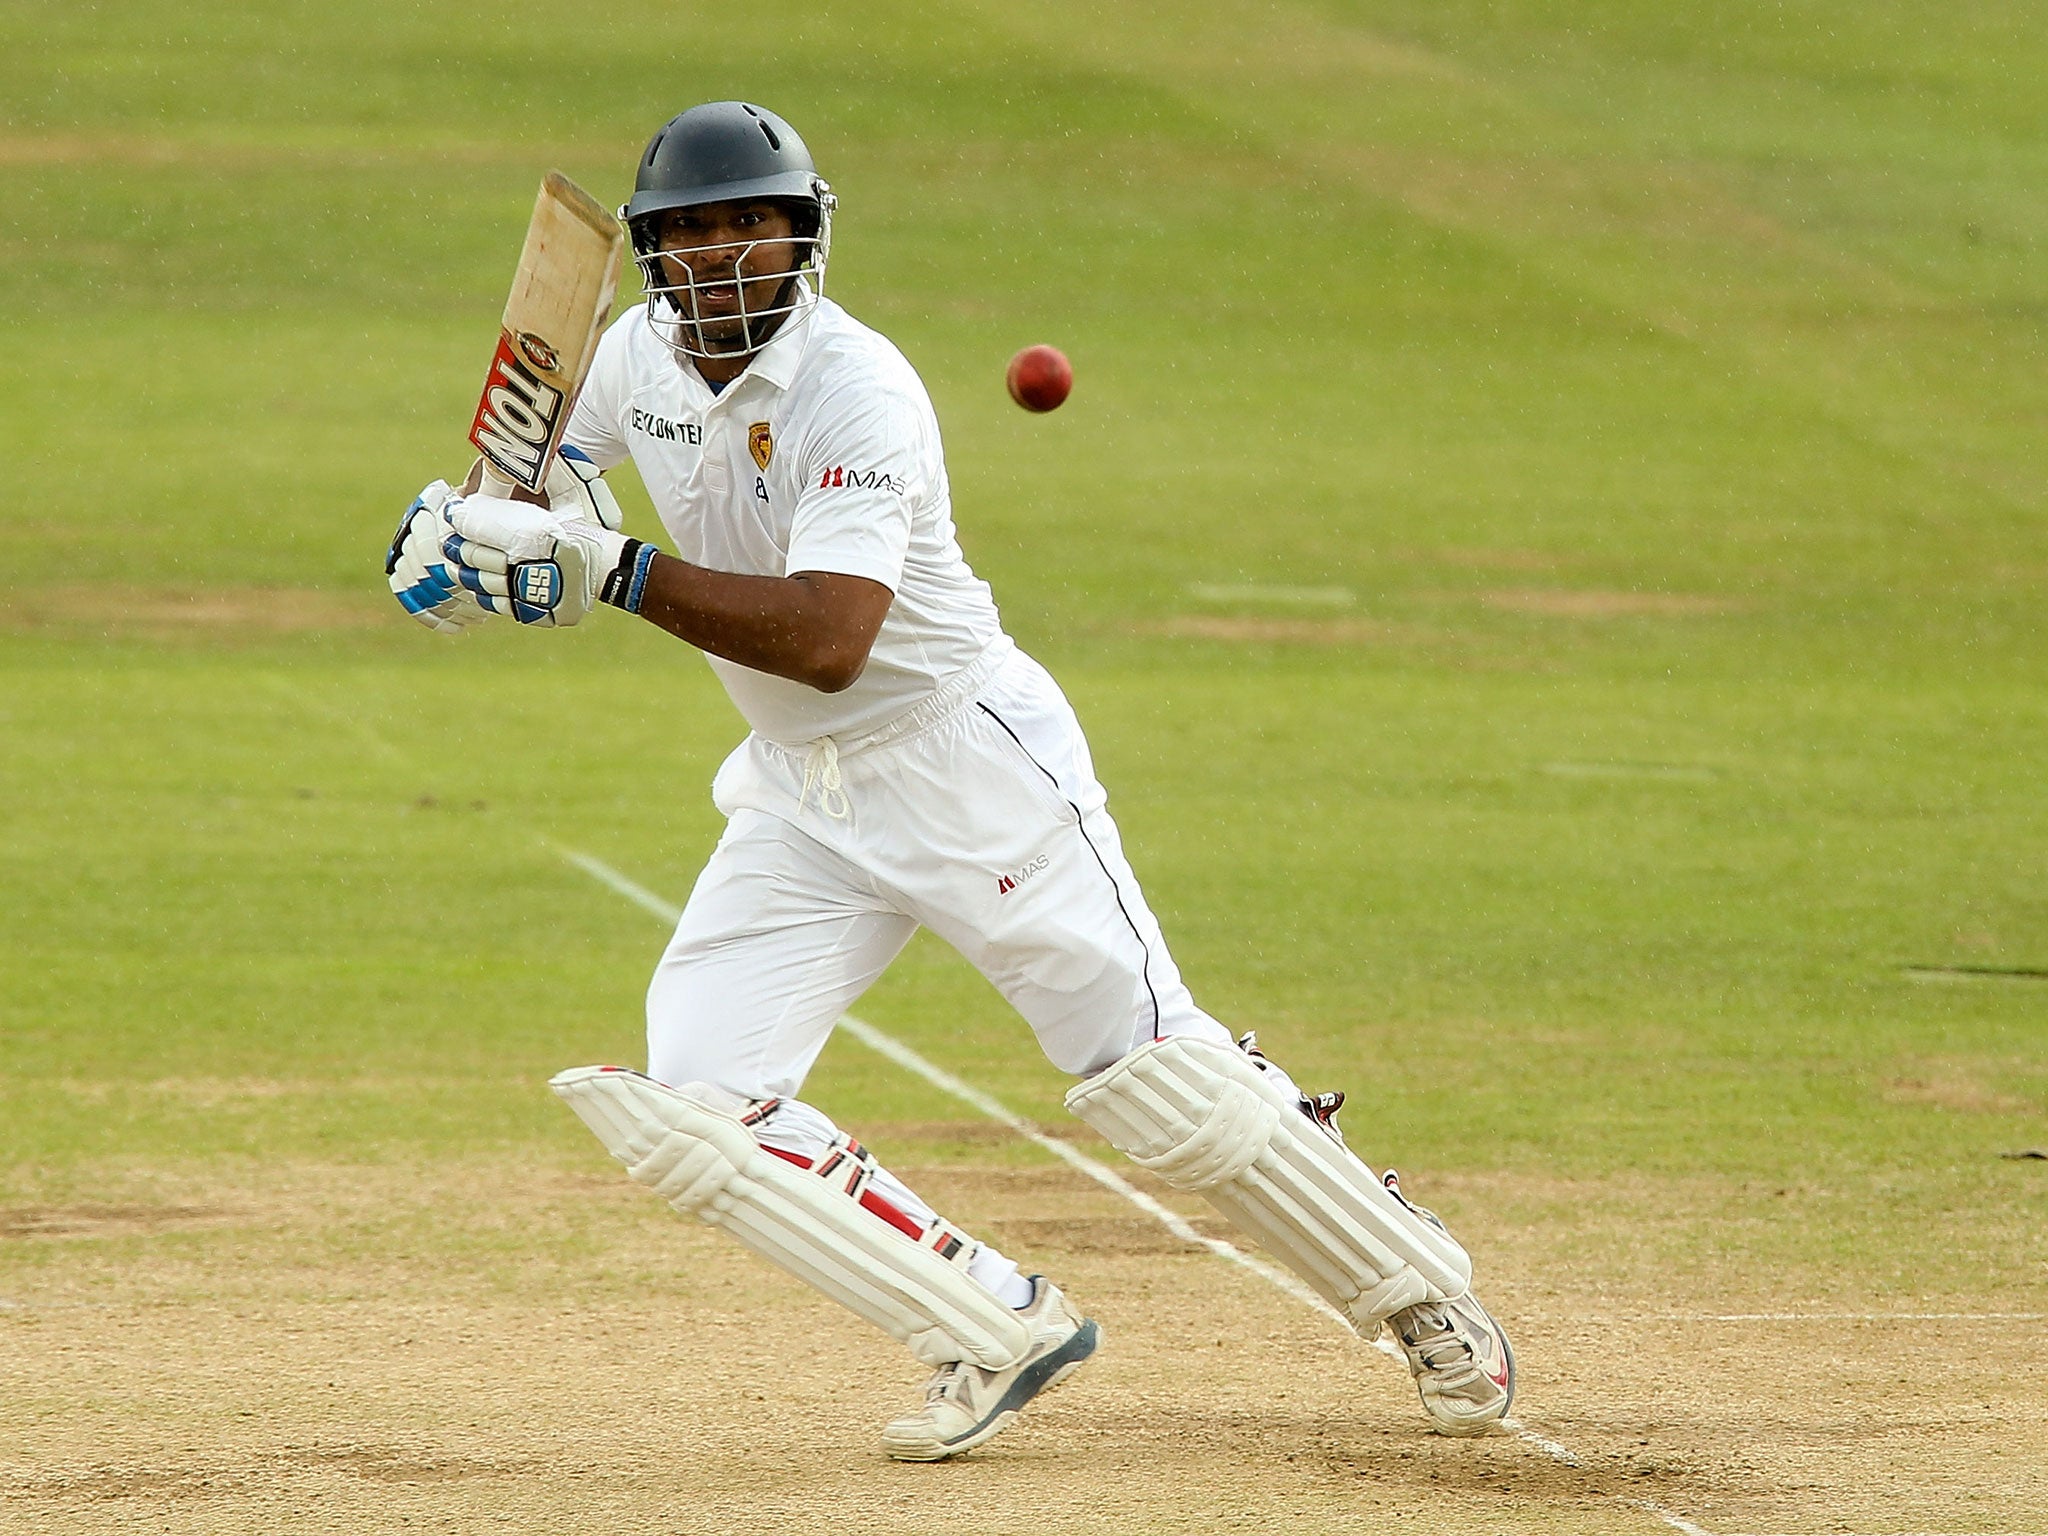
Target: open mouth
point(724, 307)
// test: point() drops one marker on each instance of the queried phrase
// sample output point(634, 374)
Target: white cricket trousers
point(978, 816)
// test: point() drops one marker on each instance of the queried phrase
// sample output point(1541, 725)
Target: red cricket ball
point(1040, 377)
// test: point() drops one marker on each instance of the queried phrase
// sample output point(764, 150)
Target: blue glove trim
point(424, 595)
point(636, 588)
point(626, 583)
point(420, 598)
point(398, 538)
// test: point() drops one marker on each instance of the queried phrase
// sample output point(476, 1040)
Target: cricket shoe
point(966, 1406)
point(1459, 1356)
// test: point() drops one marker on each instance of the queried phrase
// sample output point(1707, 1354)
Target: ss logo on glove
point(539, 584)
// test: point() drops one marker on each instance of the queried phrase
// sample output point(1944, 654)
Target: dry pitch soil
point(489, 1347)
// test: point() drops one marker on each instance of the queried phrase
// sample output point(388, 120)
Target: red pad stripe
point(876, 1205)
point(871, 1202)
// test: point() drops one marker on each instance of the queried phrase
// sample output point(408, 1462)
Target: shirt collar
point(776, 363)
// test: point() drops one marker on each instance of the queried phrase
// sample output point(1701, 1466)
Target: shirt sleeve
point(596, 420)
point(865, 472)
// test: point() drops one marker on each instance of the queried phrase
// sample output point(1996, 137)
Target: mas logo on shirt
point(1008, 883)
point(861, 480)
point(760, 444)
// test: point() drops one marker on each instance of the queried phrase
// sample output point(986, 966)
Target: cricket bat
point(561, 296)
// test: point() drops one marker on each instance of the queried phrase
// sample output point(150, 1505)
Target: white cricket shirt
point(823, 456)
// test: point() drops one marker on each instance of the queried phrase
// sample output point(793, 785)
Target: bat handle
point(483, 480)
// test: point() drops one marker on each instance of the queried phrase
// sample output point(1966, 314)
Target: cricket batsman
point(907, 765)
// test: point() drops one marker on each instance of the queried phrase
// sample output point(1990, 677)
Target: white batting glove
point(426, 583)
point(575, 488)
point(541, 567)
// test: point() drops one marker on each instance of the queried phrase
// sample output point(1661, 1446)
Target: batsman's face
point(729, 261)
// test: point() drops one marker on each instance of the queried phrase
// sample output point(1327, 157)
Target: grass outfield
point(1546, 541)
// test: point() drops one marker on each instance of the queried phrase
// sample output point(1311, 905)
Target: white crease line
point(946, 1082)
point(638, 894)
point(1677, 1522)
point(1558, 1453)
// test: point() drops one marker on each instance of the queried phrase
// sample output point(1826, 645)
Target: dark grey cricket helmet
point(721, 152)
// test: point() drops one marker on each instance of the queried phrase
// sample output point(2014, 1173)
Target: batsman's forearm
point(796, 627)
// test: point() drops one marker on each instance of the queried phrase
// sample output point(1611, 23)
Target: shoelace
point(1430, 1346)
point(822, 769)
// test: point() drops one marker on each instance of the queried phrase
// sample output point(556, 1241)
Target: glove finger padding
point(418, 572)
point(454, 602)
point(473, 556)
point(576, 489)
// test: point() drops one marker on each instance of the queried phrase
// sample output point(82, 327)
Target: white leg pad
point(690, 1149)
point(1205, 1119)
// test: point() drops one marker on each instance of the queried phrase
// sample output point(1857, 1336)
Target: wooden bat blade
point(561, 296)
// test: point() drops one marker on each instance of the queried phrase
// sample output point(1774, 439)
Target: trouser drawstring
point(822, 769)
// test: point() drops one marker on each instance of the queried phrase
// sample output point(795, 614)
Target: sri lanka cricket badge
point(760, 444)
